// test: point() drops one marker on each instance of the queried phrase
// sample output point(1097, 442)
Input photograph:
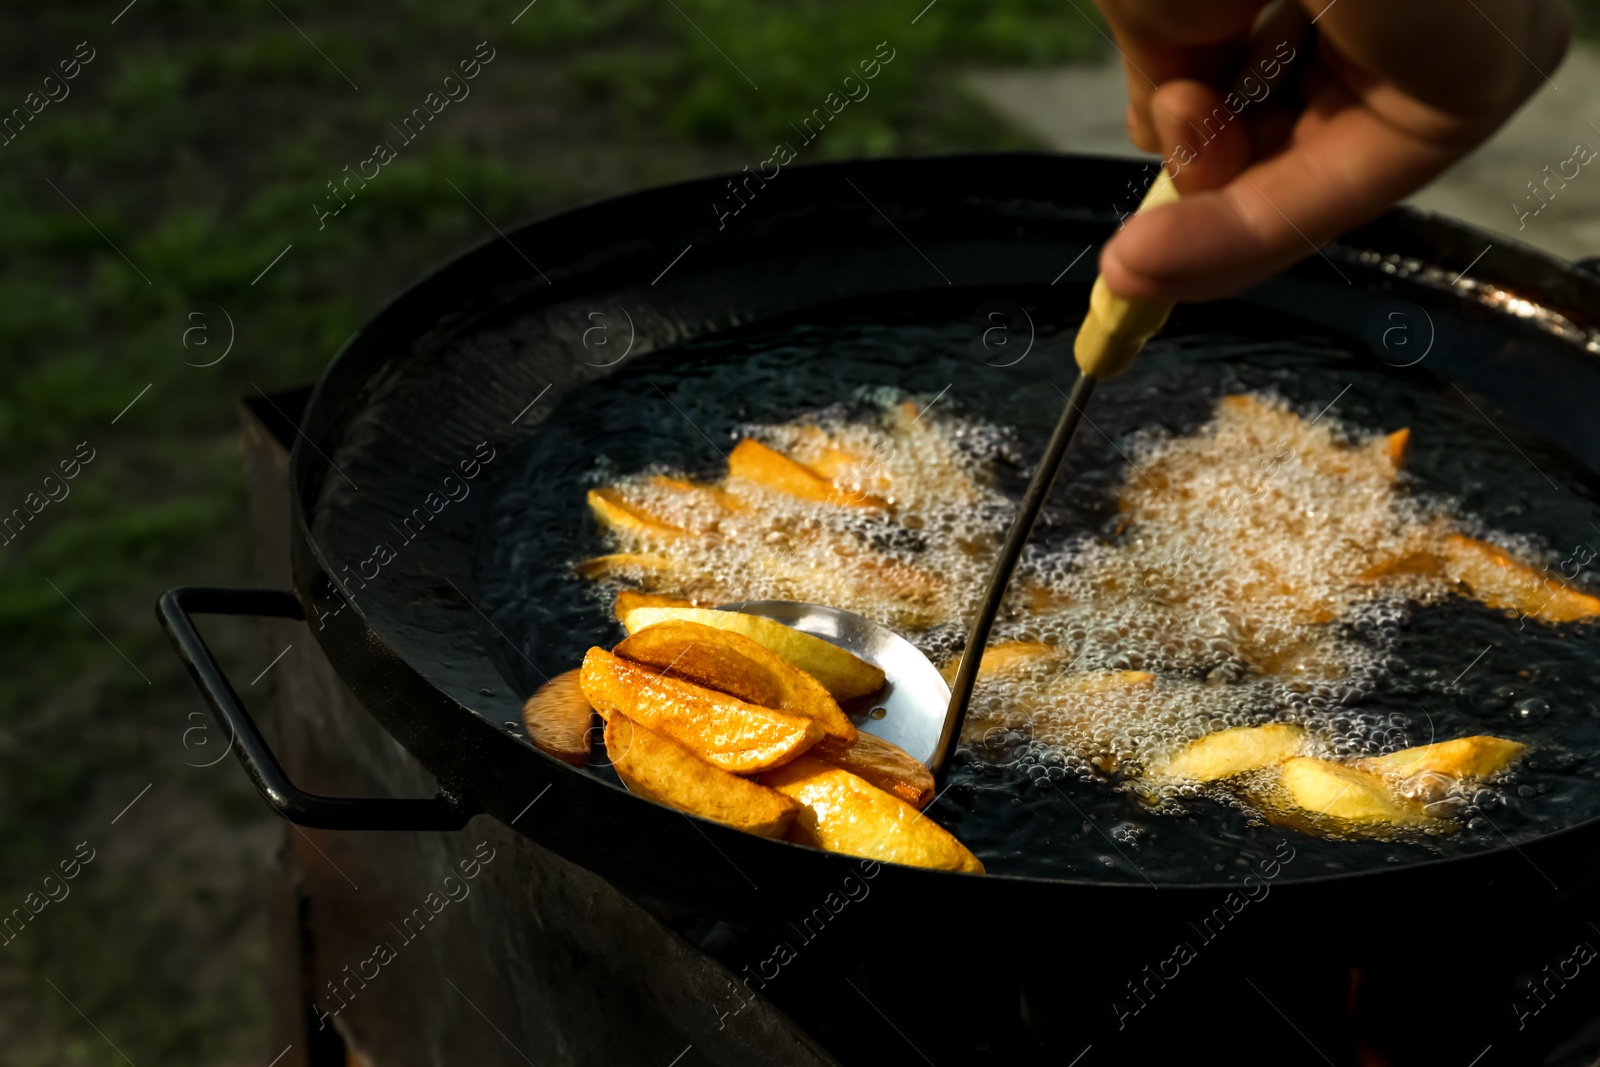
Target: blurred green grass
point(1586, 19)
point(195, 142)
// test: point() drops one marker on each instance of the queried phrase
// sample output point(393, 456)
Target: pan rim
point(324, 407)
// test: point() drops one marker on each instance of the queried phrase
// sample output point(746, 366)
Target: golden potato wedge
point(725, 731)
point(615, 513)
point(1415, 563)
point(627, 565)
point(707, 659)
point(922, 445)
point(1465, 757)
point(1308, 657)
point(828, 459)
point(913, 584)
point(1395, 445)
point(715, 494)
point(659, 768)
point(1321, 789)
point(834, 462)
point(1498, 580)
point(629, 599)
point(1230, 752)
point(844, 813)
point(1250, 406)
point(755, 462)
point(844, 674)
point(1103, 681)
point(1007, 657)
point(1072, 706)
point(558, 716)
point(885, 765)
point(732, 663)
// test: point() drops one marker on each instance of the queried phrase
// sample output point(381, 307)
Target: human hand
point(1286, 124)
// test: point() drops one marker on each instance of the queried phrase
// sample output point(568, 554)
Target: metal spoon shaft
point(1033, 499)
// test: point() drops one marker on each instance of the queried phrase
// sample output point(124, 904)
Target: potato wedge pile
point(1240, 555)
point(1272, 767)
point(721, 715)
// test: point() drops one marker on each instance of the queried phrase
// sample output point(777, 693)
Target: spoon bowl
point(910, 709)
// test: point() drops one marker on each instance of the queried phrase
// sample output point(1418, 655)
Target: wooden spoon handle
point(1116, 327)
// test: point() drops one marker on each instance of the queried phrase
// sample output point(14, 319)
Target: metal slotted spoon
point(916, 709)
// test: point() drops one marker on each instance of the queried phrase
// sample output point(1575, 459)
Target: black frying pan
point(486, 347)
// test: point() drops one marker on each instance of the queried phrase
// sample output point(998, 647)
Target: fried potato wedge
point(558, 716)
point(615, 513)
point(638, 565)
point(842, 812)
point(1395, 446)
point(755, 462)
point(827, 458)
point(733, 663)
point(1465, 757)
point(1321, 789)
point(1424, 563)
point(661, 769)
point(1498, 580)
point(1008, 657)
point(629, 599)
point(720, 498)
point(844, 674)
point(915, 436)
point(725, 731)
point(1231, 752)
point(704, 655)
point(1103, 681)
point(885, 765)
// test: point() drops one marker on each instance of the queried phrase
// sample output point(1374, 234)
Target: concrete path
point(1080, 109)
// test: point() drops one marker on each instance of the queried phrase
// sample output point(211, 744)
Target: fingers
point(1272, 169)
point(1162, 40)
point(1206, 143)
point(1442, 69)
point(1343, 167)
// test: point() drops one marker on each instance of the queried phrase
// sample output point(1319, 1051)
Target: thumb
point(1336, 174)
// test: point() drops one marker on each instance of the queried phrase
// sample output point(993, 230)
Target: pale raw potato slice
point(885, 765)
point(722, 730)
point(844, 813)
point(558, 717)
point(843, 674)
point(1227, 753)
point(1323, 789)
point(659, 768)
point(1465, 757)
point(732, 663)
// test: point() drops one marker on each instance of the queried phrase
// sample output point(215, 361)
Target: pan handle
point(305, 809)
